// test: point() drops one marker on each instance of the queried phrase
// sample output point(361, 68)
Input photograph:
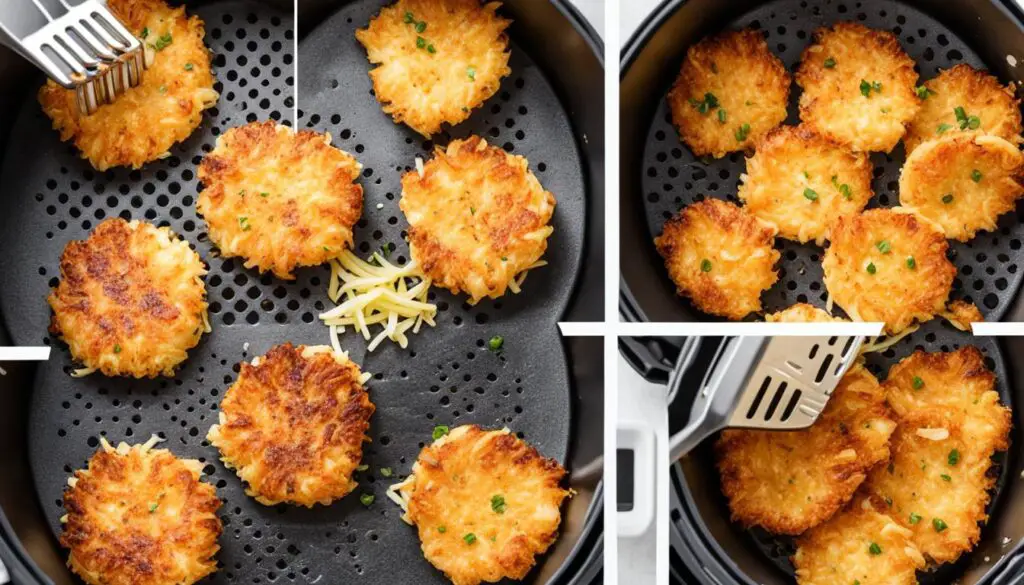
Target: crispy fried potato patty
point(131, 300)
point(802, 313)
point(792, 481)
point(730, 92)
point(858, 545)
point(888, 265)
point(858, 86)
point(950, 425)
point(801, 182)
point(144, 122)
point(281, 199)
point(963, 182)
point(140, 516)
point(292, 426)
point(484, 503)
point(436, 60)
point(979, 94)
point(478, 217)
point(719, 256)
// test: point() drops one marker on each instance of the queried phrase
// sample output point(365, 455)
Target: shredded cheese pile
point(394, 297)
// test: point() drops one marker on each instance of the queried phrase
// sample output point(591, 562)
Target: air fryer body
point(557, 36)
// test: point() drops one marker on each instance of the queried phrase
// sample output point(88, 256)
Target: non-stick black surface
point(778, 549)
point(988, 271)
point(445, 376)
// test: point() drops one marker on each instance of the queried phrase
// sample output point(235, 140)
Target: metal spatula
point(776, 383)
point(79, 44)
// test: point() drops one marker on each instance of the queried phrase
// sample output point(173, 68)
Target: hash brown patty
point(719, 256)
point(293, 425)
point(963, 182)
point(140, 516)
point(478, 217)
point(950, 424)
point(858, 545)
point(131, 300)
point(859, 86)
point(144, 122)
point(281, 199)
point(437, 60)
point(802, 313)
point(988, 107)
point(801, 182)
point(788, 482)
point(484, 503)
point(730, 91)
point(888, 265)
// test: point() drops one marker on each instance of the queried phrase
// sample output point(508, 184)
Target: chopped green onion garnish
point(470, 538)
point(409, 19)
point(871, 268)
point(705, 265)
point(243, 222)
point(911, 263)
point(495, 343)
point(421, 26)
point(439, 431)
point(917, 382)
point(163, 42)
point(954, 457)
point(947, 198)
point(923, 92)
point(884, 246)
point(939, 524)
point(742, 132)
point(721, 115)
point(874, 549)
point(471, 72)
point(442, 529)
point(362, 467)
point(385, 472)
point(976, 176)
point(914, 518)
point(498, 504)
point(810, 194)
point(117, 348)
point(421, 43)
point(946, 477)
point(366, 499)
point(829, 63)
point(153, 507)
point(145, 32)
point(188, 67)
point(943, 128)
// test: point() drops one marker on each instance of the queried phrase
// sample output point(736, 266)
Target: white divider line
point(998, 329)
point(761, 329)
point(25, 354)
point(583, 329)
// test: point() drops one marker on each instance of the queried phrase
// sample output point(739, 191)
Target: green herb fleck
point(829, 63)
point(947, 198)
point(810, 194)
point(742, 132)
point(498, 504)
point(884, 246)
point(145, 32)
point(874, 549)
point(704, 106)
point(939, 524)
point(976, 176)
point(362, 467)
point(911, 263)
point(442, 529)
point(471, 72)
point(923, 92)
point(954, 457)
point(721, 115)
point(264, 194)
point(871, 268)
point(943, 128)
point(470, 538)
point(431, 49)
point(914, 518)
point(163, 42)
point(865, 88)
point(366, 499)
point(153, 507)
point(946, 477)
point(385, 472)
point(409, 18)
point(188, 67)
point(918, 383)
point(439, 431)
point(243, 222)
point(421, 26)
point(421, 43)
point(496, 343)
point(705, 265)
point(117, 348)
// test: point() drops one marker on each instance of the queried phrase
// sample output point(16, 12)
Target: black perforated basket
point(536, 386)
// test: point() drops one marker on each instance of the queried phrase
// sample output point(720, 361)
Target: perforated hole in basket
point(446, 376)
point(988, 267)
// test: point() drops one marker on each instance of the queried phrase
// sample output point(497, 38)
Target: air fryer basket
point(446, 376)
point(659, 175)
point(706, 546)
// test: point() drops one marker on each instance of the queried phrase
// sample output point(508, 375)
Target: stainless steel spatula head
point(79, 44)
point(766, 383)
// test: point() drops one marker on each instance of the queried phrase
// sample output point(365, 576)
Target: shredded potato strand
point(394, 297)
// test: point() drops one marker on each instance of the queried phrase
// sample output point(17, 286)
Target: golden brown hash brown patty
point(890, 266)
point(950, 424)
point(145, 121)
point(730, 92)
point(436, 60)
point(858, 86)
point(859, 544)
point(719, 256)
point(478, 217)
point(131, 300)
point(801, 182)
point(281, 199)
point(484, 503)
point(962, 314)
point(980, 95)
point(963, 182)
point(789, 482)
point(292, 426)
point(802, 313)
point(140, 516)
